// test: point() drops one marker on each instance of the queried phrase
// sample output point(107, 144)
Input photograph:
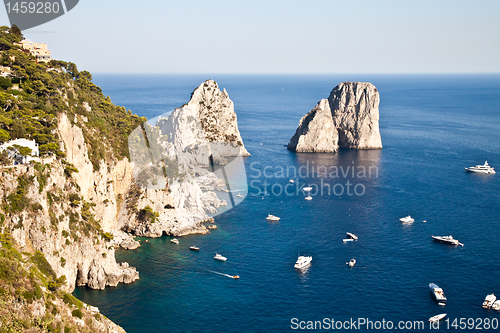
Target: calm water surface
point(431, 126)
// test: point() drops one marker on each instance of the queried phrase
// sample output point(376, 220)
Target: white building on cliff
point(10, 146)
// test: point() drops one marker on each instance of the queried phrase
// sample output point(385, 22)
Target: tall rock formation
point(174, 159)
point(347, 119)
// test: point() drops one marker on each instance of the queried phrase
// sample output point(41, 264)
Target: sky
point(276, 37)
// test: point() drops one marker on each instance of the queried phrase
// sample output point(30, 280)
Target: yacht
point(407, 219)
point(481, 169)
point(496, 305)
point(351, 235)
point(351, 263)
point(437, 317)
point(447, 239)
point(308, 197)
point(220, 257)
point(302, 262)
point(489, 300)
point(347, 240)
point(174, 240)
point(194, 248)
point(438, 294)
point(272, 218)
point(308, 188)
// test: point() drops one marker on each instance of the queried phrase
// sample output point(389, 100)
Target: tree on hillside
point(4, 135)
point(16, 31)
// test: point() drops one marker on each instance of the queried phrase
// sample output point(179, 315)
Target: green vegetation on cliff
point(36, 93)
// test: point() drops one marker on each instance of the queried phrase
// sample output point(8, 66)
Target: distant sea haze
point(432, 127)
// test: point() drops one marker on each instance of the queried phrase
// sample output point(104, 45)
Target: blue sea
point(432, 126)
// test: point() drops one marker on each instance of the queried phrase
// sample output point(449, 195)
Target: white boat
point(438, 294)
point(496, 305)
point(351, 235)
point(407, 219)
point(174, 240)
point(437, 317)
point(291, 181)
point(447, 239)
point(272, 218)
point(239, 196)
point(302, 262)
point(347, 240)
point(194, 248)
point(308, 197)
point(219, 257)
point(308, 188)
point(351, 262)
point(489, 300)
point(481, 169)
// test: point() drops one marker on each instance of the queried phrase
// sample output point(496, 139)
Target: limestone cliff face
point(69, 211)
point(316, 132)
point(207, 123)
point(171, 156)
point(349, 118)
point(72, 209)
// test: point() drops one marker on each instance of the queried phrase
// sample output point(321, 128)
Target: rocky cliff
point(172, 157)
point(349, 118)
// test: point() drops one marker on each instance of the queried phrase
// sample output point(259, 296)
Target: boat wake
point(231, 276)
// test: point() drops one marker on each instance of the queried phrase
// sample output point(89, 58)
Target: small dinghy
point(352, 236)
point(437, 318)
point(489, 300)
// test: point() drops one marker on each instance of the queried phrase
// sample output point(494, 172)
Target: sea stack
point(347, 119)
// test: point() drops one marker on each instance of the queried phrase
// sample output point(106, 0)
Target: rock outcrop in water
point(171, 160)
point(347, 119)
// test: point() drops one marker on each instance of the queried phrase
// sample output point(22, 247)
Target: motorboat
point(308, 188)
point(220, 257)
point(303, 261)
point(272, 218)
point(174, 240)
point(239, 195)
point(447, 239)
point(194, 248)
point(437, 318)
point(496, 305)
point(481, 169)
point(407, 219)
point(291, 181)
point(489, 300)
point(351, 262)
point(438, 294)
point(347, 240)
point(308, 197)
point(351, 235)
point(235, 276)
